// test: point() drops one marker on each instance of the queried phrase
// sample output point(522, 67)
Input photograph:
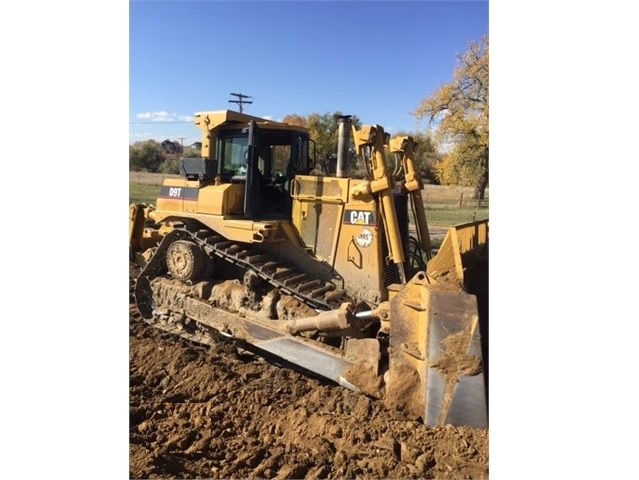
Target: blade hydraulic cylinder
point(382, 184)
point(414, 186)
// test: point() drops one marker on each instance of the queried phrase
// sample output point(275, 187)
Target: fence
point(438, 196)
point(146, 178)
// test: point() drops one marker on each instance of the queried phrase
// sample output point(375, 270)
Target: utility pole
point(182, 140)
point(240, 99)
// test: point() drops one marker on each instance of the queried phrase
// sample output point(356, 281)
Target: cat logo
point(359, 217)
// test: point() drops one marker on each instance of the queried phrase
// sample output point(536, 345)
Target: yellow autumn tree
point(458, 113)
point(323, 129)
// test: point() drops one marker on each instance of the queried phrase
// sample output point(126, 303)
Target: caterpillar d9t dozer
point(319, 270)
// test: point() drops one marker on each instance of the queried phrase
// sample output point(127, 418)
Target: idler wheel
point(186, 261)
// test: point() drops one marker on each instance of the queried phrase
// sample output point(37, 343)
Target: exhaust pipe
point(343, 138)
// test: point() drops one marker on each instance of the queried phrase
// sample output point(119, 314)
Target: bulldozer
point(328, 272)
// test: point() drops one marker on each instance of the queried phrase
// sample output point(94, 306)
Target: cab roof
point(208, 121)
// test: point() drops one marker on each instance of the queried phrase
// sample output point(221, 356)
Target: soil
point(222, 412)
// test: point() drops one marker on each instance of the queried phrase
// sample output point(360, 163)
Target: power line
point(240, 99)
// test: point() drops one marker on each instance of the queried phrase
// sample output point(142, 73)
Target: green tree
point(146, 156)
point(171, 164)
point(459, 113)
point(192, 153)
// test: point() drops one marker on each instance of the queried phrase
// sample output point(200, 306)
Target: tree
point(171, 164)
point(323, 129)
point(146, 156)
point(192, 153)
point(295, 119)
point(459, 113)
point(426, 155)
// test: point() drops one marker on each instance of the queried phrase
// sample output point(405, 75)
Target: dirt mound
point(220, 412)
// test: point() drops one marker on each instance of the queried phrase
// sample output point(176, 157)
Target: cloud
point(163, 117)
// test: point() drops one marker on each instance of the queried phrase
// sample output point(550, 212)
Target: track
point(287, 279)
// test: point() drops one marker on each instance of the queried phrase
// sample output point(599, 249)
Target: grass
point(444, 217)
point(445, 206)
point(451, 205)
point(143, 193)
point(144, 187)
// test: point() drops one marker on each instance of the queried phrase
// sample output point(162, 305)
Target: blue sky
point(376, 60)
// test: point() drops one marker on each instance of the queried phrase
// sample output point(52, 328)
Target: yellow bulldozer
point(331, 274)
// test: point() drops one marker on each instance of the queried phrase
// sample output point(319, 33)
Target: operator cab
point(265, 160)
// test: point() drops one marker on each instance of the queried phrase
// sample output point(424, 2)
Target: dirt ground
point(219, 412)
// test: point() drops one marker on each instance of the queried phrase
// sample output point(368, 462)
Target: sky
point(374, 59)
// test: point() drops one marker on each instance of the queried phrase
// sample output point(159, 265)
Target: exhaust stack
point(343, 138)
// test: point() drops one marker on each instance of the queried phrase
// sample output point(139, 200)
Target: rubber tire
point(186, 261)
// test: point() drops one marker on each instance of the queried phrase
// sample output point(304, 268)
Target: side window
point(234, 155)
point(281, 155)
point(303, 163)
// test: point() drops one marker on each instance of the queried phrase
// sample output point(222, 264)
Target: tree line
point(453, 149)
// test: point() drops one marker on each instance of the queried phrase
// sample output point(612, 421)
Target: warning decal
point(364, 239)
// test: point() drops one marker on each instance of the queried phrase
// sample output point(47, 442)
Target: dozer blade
point(436, 367)
point(309, 355)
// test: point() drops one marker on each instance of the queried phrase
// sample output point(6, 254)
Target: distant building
point(171, 147)
point(196, 146)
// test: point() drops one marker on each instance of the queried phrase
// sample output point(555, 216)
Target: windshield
point(276, 150)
